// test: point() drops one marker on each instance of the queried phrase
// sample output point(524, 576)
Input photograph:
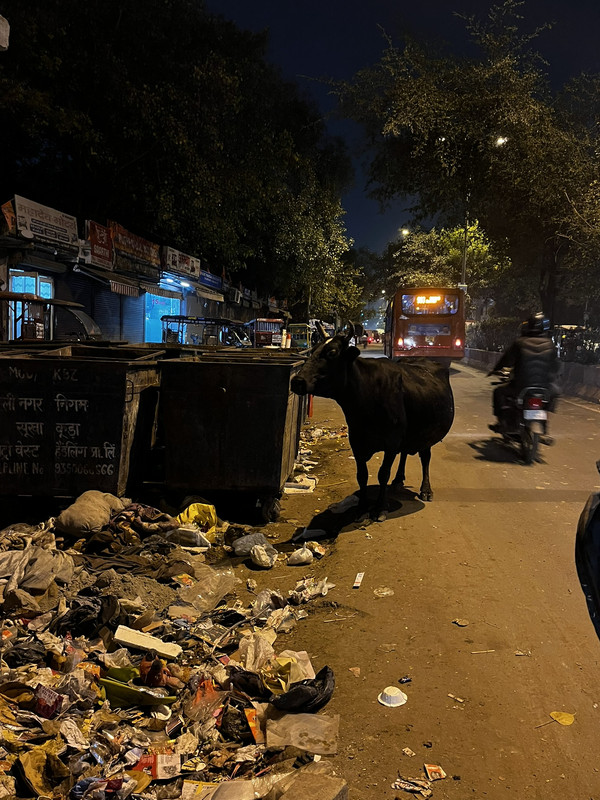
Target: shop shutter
point(133, 319)
point(106, 312)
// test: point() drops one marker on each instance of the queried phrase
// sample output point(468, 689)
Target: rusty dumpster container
point(230, 423)
point(69, 422)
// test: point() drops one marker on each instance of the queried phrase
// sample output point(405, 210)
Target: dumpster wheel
point(270, 508)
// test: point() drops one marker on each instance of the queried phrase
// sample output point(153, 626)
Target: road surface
point(494, 549)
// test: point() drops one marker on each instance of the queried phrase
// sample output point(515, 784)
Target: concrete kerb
point(575, 380)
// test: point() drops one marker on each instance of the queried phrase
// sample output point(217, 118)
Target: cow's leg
point(383, 477)
point(425, 492)
point(362, 477)
point(401, 474)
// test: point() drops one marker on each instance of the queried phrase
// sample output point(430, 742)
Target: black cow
point(399, 407)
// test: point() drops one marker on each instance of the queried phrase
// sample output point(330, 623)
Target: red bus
point(426, 321)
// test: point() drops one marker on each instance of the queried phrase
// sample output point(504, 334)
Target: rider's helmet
point(536, 325)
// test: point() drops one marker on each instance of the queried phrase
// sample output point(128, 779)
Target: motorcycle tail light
point(400, 342)
point(457, 343)
point(534, 403)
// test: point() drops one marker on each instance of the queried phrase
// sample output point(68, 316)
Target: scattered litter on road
point(405, 679)
point(462, 623)
point(301, 484)
point(434, 772)
point(522, 652)
point(392, 697)
point(301, 557)
point(387, 648)
point(477, 652)
point(413, 785)
point(454, 697)
point(408, 752)
point(358, 580)
point(355, 671)
point(383, 591)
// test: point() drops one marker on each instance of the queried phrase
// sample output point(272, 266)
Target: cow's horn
point(321, 329)
point(350, 329)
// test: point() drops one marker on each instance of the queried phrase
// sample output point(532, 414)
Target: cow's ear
point(351, 353)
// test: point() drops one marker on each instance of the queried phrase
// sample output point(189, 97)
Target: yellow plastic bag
point(201, 514)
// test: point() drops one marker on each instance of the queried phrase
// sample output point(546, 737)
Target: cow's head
point(326, 370)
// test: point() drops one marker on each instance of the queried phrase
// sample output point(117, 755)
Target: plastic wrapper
point(211, 587)
point(315, 733)
point(263, 556)
point(243, 545)
point(301, 556)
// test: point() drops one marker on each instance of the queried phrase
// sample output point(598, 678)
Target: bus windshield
point(429, 303)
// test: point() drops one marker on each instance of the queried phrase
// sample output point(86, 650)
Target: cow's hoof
point(381, 516)
point(398, 483)
point(426, 496)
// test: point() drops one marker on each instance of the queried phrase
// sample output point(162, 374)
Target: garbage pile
point(130, 669)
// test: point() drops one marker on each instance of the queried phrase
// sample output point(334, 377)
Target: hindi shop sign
point(101, 247)
point(178, 262)
point(134, 254)
point(35, 221)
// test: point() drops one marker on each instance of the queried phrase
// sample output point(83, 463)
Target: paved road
point(495, 548)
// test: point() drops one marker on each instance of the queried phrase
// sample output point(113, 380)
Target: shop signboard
point(175, 261)
point(35, 221)
point(100, 252)
point(210, 280)
point(134, 254)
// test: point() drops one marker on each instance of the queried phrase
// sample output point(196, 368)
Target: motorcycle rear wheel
point(529, 445)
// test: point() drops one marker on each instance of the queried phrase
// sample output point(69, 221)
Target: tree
point(170, 120)
point(479, 138)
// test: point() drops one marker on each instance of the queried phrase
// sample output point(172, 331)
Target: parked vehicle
point(524, 421)
point(204, 331)
point(265, 332)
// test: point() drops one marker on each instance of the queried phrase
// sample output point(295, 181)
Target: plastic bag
point(210, 589)
point(307, 696)
point(316, 733)
point(201, 514)
point(243, 545)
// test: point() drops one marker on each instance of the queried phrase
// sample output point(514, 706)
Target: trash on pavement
point(355, 671)
point(413, 785)
point(434, 772)
point(462, 623)
point(405, 679)
point(454, 697)
point(392, 696)
point(129, 668)
point(263, 556)
point(383, 591)
point(300, 557)
point(358, 580)
point(408, 752)
point(301, 484)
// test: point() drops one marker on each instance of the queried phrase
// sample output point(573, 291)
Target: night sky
point(312, 39)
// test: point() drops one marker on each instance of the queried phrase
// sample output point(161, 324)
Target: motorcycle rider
point(534, 362)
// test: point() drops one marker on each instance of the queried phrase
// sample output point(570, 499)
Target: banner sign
point(100, 253)
point(134, 254)
point(208, 279)
point(176, 261)
point(35, 221)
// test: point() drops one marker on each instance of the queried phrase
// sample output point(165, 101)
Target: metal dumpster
point(69, 424)
point(229, 422)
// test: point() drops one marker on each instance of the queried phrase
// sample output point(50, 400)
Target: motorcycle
point(524, 419)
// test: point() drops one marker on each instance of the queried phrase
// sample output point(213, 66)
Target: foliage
point(480, 137)
point(171, 121)
point(435, 258)
point(493, 333)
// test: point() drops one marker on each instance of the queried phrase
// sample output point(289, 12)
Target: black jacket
point(533, 359)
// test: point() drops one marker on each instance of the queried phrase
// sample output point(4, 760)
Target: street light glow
point(501, 140)
point(405, 231)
